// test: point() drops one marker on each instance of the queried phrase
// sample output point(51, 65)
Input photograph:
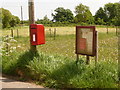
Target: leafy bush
point(8, 45)
point(9, 55)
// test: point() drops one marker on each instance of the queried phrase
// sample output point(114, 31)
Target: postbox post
point(87, 59)
point(31, 21)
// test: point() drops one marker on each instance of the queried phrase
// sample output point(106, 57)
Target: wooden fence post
point(17, 33)
point(7, 46)
point(54, 33)
point(12, 35)
point(107, 29)
point(116, 30)
point(50, 32)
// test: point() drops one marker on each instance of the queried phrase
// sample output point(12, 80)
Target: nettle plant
point(8, 45)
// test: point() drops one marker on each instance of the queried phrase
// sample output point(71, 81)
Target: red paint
point(37, 34)
point(82, 43)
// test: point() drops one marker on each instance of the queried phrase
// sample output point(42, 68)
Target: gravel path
point(9, 83)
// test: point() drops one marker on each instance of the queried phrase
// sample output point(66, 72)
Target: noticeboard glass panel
point(85, 40)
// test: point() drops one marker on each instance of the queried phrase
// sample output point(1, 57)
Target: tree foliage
point(110, 14)
point(8, 20)
point(45, 20)
point(117, 18)
point(101, 15)
point(62, 15)
point(83, 14)
point(14, 21)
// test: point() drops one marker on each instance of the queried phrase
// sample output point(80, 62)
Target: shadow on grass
point(24, 60)
point(65, 73)
point(17, 67)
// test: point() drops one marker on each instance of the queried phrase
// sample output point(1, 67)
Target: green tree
point(6, 18)
point(45, 20)
point(100, 21)
point(110, 14)
point(83, 14)
point(117, 17)
point(100, 14)
point(63, 15)
point(110, 10)
point(14, 21)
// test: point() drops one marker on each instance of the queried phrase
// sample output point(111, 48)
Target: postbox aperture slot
point(33, 28)
point(34, 37)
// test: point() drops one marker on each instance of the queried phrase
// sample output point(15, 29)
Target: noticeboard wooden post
point(86, 41)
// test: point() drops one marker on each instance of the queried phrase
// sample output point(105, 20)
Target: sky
point(46, 7)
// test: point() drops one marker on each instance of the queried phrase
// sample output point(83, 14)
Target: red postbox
point(37, 35)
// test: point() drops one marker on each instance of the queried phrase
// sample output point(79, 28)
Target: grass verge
point(61, 72)
point(54, 65)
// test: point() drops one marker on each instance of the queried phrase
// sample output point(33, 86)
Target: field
point(24, 31)
point(54, 65)
point(64, 44)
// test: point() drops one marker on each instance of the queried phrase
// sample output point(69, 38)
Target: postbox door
point(41, 35)
point(33, 34)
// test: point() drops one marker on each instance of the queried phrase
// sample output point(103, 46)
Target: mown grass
point(55, 66)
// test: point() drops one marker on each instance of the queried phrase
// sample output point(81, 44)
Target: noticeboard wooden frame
point(94, 40)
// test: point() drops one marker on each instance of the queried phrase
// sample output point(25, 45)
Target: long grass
point(62, 72)
point(55, 66)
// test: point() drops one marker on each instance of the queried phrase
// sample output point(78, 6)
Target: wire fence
point(53, 31)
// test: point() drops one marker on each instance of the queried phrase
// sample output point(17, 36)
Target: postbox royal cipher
point(37, 34)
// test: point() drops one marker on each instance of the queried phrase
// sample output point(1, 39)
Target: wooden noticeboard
point(86, 40)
